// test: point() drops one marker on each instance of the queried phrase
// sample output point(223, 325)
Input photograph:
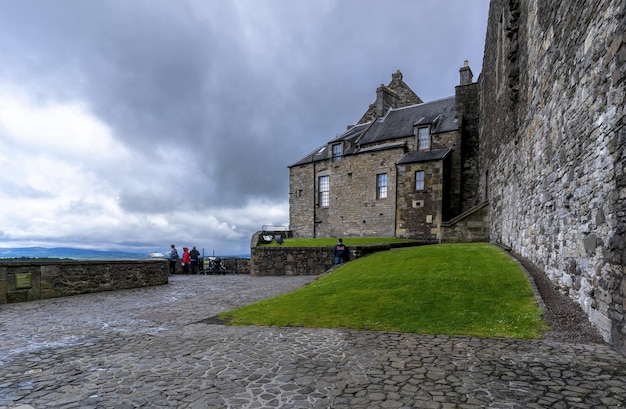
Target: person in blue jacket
point(339, 252)
point(173, 259)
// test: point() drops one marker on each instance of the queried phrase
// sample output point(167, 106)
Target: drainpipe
point(395, 210)
point(314, 195)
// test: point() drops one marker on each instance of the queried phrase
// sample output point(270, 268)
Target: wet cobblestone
point(147, 348)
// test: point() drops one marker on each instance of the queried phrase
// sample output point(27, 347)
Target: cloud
point(145, 122)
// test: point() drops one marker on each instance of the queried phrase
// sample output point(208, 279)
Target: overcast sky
point(133, 124)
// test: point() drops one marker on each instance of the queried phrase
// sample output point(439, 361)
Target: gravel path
point(568, 322)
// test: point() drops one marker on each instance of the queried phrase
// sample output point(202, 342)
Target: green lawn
point(331, 241)
point(471, 289)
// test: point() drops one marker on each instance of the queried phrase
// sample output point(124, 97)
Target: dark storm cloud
point(219, 97)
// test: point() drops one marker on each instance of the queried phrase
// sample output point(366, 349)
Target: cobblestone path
point(148, 348)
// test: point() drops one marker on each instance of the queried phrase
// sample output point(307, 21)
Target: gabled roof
point(395, 95)
point(400, 122)
point(322, 152)
point(440, 115)
point(352, 133)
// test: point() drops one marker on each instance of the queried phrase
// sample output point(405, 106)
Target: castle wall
point(553, 146)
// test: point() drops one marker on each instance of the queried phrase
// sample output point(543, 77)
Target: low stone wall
point(35, 280)
point(237, 265)
point(290, 261)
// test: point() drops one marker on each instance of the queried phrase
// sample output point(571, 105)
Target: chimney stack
point(466, 74)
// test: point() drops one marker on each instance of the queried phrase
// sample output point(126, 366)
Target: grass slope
point(471, 289)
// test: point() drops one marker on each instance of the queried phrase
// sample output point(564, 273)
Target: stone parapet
point(35, 280)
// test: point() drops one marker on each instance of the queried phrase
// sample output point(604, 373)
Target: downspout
point(395, 210)
point(314, 195)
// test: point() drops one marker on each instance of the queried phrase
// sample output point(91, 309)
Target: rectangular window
point(324, 191)
point(381, 186)
point(419, 180)
point(337, 151)
point(423, 139)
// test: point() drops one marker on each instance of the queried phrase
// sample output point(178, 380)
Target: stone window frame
point(323, 190)
point(423, 138)
point(337, 151)
point(381, 186)
point(419, 181)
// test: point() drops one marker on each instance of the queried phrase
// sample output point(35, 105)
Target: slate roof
point(425, 156)
point(322, 152)
point(397, 123)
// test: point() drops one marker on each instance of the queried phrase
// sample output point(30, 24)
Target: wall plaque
point(23, 280)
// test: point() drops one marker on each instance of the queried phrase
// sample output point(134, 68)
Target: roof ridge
point(422, 104)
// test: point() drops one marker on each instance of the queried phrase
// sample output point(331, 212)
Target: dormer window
point(337, 152)
point(423, 138)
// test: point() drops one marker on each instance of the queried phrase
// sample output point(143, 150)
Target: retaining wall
point(289, 261)
point(35, 280)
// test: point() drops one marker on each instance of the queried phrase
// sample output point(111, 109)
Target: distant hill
point(68, 252)
point(81, 254)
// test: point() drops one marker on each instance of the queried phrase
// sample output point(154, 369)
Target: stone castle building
point(537, 144)
point(401, 171)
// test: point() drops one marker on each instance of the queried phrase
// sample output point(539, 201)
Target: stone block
point(589, 244)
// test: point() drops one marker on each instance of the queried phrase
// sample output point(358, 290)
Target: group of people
point(189, 261)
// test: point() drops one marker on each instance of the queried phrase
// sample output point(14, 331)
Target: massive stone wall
point(553, 146)
point(34, 280)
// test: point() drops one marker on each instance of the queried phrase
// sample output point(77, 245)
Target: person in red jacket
point(186, 260)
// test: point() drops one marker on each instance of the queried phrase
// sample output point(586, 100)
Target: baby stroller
point(214, 265)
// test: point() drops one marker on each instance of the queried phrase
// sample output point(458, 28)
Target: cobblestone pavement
point(147, 348)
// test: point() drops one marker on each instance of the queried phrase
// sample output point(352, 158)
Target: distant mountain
point(68, 252)
point(82, 254)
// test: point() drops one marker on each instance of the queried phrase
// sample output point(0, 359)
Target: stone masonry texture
point(34, 280)
point(553, 146)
